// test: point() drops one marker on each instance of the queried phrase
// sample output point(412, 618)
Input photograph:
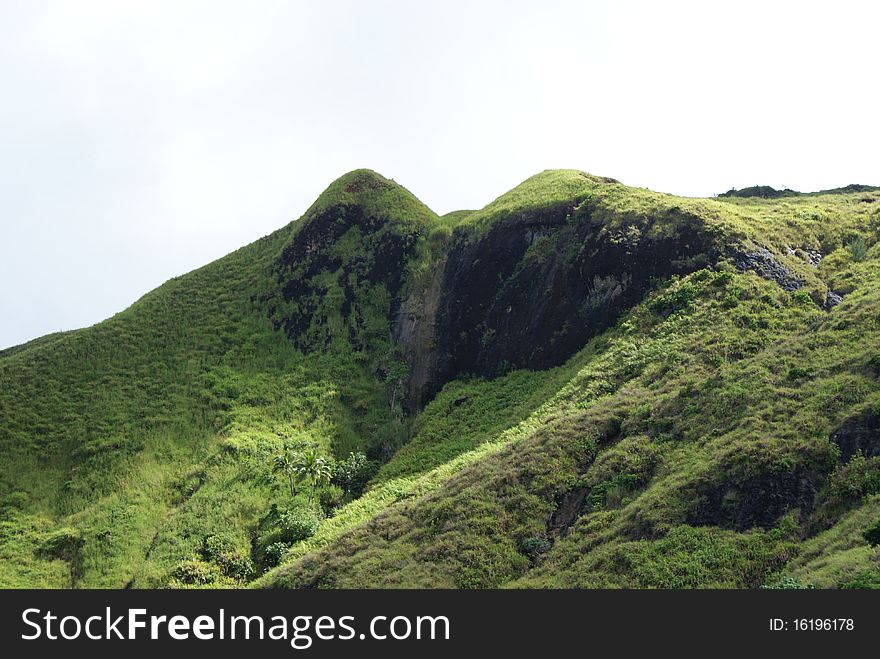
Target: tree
point(283, 464)
point(353, 473)
point(305, 465)
point(313, 468)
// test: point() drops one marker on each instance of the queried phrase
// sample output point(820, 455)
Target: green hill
point(582, 384)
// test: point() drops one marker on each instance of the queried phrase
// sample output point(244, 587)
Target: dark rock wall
point(533, 289)
point(859, 433)
point(376, 256)
point(759, 500)
point(528, 291)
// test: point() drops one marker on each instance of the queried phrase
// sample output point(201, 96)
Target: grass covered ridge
point(719, 435)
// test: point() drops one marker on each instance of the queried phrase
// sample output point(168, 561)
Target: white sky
point(139, 140)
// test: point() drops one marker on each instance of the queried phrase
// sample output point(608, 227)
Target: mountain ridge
point(580, 384)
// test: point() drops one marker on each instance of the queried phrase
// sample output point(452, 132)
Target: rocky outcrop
point(415, 330)
point(568, 508)
point(757, 501)
point(858, 433)
point(526, 289)
point(333, 268)
point(764, 264)
point(532, 288)
point(832, 299)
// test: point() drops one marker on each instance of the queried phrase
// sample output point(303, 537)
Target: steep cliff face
point(529, 291)
point(415, 331)
point(539, 272)
point(340, 275)
point(343, 268)
point(526, 286)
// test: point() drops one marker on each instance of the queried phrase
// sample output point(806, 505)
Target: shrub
point(864, 580)
point(858, 478)
point(64, 543)
point(788, 583)
point(236, 565)
point(858, 250)
point(213, 546)
point(732, 297)
point(330, 498)
point(197, 572)
point(534, 547)
point(723, 278)
point(275, 552)
point(232, 562)
point(353, 473)
point(678, 299)
point(279, 529)
point(297, 524)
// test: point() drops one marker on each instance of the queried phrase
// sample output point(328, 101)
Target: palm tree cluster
point(304, 466)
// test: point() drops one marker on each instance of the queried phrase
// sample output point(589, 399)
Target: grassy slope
point(146, 433)
point(143, 436)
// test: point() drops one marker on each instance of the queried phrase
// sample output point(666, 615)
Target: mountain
point(582, 384)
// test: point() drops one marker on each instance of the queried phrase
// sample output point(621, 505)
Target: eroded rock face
point(527, 291)
point(534, 288)
point(757, 501)
point(859, 433)
point(333, 266)
point(569, 507)
point(764, 264)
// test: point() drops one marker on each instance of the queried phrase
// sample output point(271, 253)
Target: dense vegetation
point(768, 192)
point(252, 423)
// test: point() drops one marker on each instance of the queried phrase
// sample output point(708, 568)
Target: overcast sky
point(139, 140)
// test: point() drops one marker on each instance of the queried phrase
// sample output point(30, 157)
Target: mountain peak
point(375, 194)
